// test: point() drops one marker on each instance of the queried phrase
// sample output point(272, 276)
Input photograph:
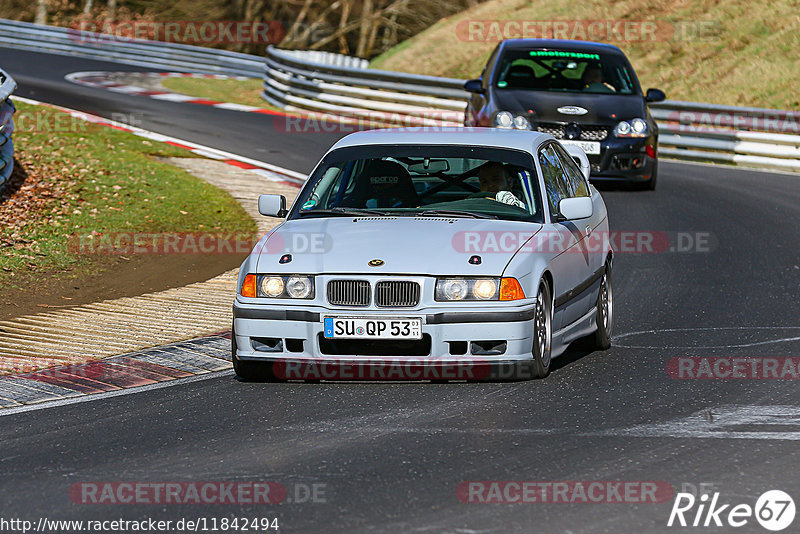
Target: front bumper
point(624, 159)
point(502, 335)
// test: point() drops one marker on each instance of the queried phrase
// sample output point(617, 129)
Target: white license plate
point(373, 327)
point(590, 147)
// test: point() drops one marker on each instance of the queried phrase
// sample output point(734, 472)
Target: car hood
point(545, 105)
point(406, 245)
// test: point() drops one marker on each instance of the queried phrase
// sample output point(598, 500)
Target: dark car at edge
point(580, 92)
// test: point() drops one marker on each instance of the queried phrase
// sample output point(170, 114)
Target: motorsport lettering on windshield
point(560, 53)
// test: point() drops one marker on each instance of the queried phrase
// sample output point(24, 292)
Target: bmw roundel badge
point(376, 263)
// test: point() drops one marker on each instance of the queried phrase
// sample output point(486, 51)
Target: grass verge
point(72, 178)
point(246, 92)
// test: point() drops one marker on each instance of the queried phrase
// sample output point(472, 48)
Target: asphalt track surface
point(391, 455)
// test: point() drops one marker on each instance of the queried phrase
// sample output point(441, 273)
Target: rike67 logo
point(774, 510)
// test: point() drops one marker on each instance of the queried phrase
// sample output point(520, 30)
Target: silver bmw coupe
point(456, 254)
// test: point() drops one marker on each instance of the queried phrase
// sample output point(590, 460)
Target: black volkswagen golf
point(582, 93)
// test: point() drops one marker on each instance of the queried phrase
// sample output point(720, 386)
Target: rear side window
point(556, 185)
point(577, 184)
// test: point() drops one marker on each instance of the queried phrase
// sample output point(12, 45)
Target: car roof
point(561, 44)
point(484, 137)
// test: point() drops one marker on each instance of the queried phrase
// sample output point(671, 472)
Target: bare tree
point(41, 12)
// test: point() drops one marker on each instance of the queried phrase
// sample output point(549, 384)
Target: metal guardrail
point(7, 86)
point(329, 58)
point(151, 54)
point(331, 84)
point(374, 96)
point(687, 130)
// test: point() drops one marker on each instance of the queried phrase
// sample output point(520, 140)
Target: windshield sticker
point(559, 53)
point(310, 204)
point(502, 84)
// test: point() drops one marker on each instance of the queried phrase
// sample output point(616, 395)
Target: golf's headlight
point(521, 123)
point(451, 289)
point(634, 128)
point(286, 287)
point(504, 119)
point(639, 127)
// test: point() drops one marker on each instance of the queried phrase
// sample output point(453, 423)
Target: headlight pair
point(295, 286)
point(456, 289)
point(506, 119)
point(633, 128)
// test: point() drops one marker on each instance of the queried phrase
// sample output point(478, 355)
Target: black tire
point(249, 371)
point(539, 366)
point(605, 311)
point(649, 185)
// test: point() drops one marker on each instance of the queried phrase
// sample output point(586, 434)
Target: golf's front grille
point(397, 294)
point(587, 132)
point(593, 133)
point(349, 292)
point(554, 129)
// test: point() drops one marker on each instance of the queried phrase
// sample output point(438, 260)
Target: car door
point(591, 247)
point(570, 265)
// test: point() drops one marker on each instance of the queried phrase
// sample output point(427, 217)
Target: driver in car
point(494, 180)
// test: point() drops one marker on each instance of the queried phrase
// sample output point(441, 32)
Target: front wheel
point(605, 311)
point(542, 332)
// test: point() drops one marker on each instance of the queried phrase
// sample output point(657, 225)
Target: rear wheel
point(605, 311)
point(542, 332)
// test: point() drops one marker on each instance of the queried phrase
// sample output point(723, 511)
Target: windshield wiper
point(455, 213)
point(346, 212)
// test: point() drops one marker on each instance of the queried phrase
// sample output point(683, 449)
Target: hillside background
point(746, 54)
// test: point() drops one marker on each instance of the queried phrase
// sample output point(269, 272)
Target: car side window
point(577, 183)
point(555, 182)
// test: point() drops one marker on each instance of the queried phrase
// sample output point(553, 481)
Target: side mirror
point(272, 205)
point(655, 95)
point(580, 158)
point(575, 208)
point(474, 86)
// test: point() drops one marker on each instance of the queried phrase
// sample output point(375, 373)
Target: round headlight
point(639, 126)
point(272, 286)
point(504, 119)
point(484, 289)
point(298, 287)
point(622, 129)
point(521, 123)
point(455, 289)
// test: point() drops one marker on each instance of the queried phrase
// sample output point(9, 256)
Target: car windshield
point(565, 71)
point(419, 180)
